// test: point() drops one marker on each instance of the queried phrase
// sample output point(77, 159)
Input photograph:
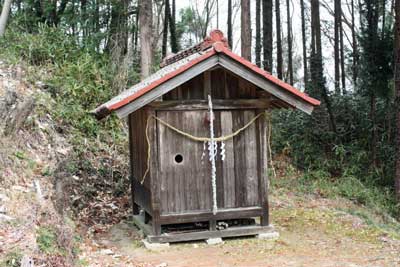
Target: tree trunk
point(172, 29)
point(373, 134)
point(230, 23)
point(39, 11)
point(146, 37)
point(354, 45)
point(118, 34)
point(317, 77)
point(279, 59)
point(84, 17)
point(337, 45)
point(289, 38)
point(267, 34)
point(96, 19)
point(258, 33)
point(5, 12)
point(60, 12)
point(246, 30)
point(165, 29)
point(397, 99)
point(342, 66)
point(304, 42)
point(136, 32)
point(383, 18)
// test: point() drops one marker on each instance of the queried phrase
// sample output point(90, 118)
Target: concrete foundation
point(269, 235)
point(155, 246)
point(214, 241)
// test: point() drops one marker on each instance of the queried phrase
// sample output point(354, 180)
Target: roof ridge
point(215, 36)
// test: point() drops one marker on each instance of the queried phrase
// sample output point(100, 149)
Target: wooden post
point(213, 225)
point(154, 174)
point(207, 84)
point(135, 207)
point(263, 169)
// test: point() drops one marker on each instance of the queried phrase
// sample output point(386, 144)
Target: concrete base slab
point(155, 246)
point(269, 235)
point(214, 241)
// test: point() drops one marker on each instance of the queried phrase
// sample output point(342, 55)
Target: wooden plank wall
point(138, 157)
point(186, 186)
point(224, 85)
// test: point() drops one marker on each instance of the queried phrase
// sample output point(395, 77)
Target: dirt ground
point(312, 235)
point(314, 231)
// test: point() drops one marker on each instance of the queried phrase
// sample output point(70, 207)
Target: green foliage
point(376, 68)
point(80, 79)
point(189, 28)
point(312, 145)
point(80, 86)
point(76, 80)
point(376, 198)
point(20, 155)
point(48, 46)
point(47, 240)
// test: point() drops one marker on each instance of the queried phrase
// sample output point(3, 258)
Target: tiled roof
point(180, 62)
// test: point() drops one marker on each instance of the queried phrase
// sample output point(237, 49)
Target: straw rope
point(196, 138)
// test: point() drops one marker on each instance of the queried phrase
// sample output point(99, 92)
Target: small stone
point(164, 264)
point(40, 84)
point(20, 188)
point(107, 252)
point(3, 210)
point(269, 235)
point(155, 246)
point(27, 261)
point(214, 241)
point(5, 218)
point(4, 198)
point(62, 151)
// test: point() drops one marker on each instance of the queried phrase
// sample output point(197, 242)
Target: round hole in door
point(178, 158)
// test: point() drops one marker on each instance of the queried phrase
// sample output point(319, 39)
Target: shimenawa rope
point(202, 139)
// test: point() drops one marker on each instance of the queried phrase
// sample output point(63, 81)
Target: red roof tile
point(177, 64)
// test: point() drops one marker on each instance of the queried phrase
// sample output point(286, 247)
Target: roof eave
point(217, 47)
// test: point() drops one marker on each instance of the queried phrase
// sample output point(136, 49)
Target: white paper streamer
point(212, 146)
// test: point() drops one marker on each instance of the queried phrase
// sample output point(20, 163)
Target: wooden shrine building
point(198, 143)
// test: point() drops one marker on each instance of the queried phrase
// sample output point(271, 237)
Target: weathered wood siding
point(224, 85)
point(186, 186)
point(177, 188)
point(138, 158)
